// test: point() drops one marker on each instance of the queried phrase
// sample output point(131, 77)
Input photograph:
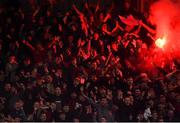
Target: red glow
point(164, 14)
point(160, 42)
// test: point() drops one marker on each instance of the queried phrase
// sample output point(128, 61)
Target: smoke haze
point(165, 15)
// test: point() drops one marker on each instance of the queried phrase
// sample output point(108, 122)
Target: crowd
point(86, 64)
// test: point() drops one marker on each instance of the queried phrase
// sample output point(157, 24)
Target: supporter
point(88, 63)
point(18, 113)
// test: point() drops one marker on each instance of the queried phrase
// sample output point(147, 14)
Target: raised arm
point(109, 56)
point(113, 30)
point(65, 17)
point(108, 16)
point(77, 11)
point(97, 6)
point(36, 12)
point(84, 24)
point(28, 44)
point(147, 28)
point(138, 29)
point(89, 46)
point(117, 27)
point(55, 39)
point(87, 7)
point(91, 101)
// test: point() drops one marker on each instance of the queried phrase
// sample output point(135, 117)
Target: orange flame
point(160, 42)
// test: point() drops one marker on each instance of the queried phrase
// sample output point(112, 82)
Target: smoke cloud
point(165, 15)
